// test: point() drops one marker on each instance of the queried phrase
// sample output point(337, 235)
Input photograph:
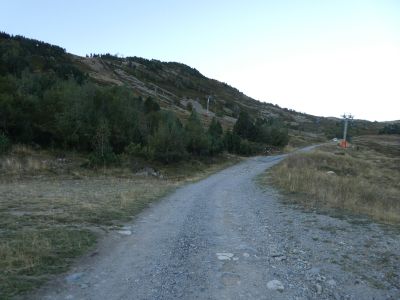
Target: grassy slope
point(366, 177)
point(170, 83)
point(52, 211)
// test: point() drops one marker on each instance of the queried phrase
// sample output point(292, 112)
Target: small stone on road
point(125, 232)
point(224, 256)
point(275, 285)
point(73, 277)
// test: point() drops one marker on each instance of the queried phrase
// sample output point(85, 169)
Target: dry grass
point(194, 170)
point(22, 159)
point(365, 178)
point(46, 222)
point(299, 139)
point(46, 219)
point(26, 162)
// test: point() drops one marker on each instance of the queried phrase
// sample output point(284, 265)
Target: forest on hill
point(48, 100)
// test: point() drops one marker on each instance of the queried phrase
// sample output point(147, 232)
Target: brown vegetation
point(363, 179)
point(52, 210)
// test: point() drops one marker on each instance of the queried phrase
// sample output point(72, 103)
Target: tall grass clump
point(338, 180)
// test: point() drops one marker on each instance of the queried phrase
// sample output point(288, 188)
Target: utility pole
point(346, 125)
point(208, 103)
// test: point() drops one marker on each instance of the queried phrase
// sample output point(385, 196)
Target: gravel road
point(226, 238)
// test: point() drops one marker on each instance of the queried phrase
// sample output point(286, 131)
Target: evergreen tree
point(215, 128)
point(244, 126)
point(197, 141)
point(215, 132)
point(232, 142)
point(150, 105)
point(167, 144)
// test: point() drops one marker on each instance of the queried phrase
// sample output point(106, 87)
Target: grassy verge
point(48, 218)
point(364, 179)
point(300, 139)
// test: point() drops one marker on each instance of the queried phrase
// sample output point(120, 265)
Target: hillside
point(37, 74)
point(175, 85)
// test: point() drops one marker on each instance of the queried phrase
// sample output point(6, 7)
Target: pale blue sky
point(319, 57)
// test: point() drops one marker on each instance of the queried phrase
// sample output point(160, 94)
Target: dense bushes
point(102, 120)
point(262, 131)
point(50, 111)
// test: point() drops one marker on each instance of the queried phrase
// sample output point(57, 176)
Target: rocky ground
point(226, 238)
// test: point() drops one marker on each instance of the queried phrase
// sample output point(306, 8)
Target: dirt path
point(225, 238)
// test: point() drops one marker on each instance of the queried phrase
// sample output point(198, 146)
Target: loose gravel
point(226, 238)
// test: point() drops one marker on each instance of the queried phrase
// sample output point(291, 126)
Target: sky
point(320, 57)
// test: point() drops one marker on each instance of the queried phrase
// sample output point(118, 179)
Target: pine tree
point(197, 141)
